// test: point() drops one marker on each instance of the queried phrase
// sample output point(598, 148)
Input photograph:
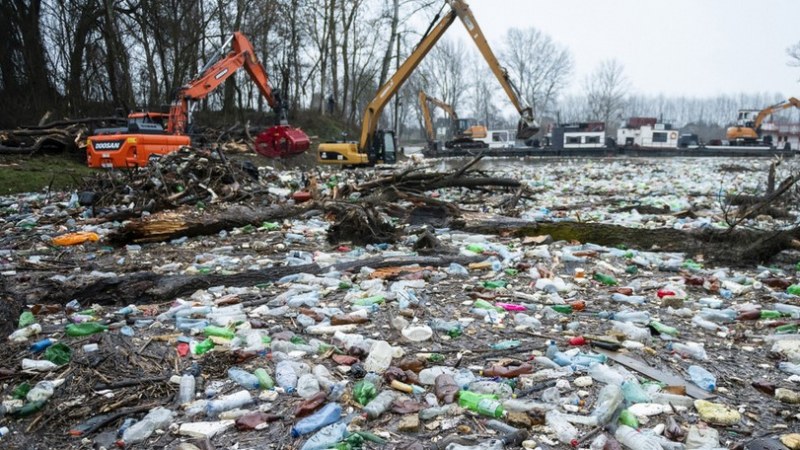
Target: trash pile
point(516, 342)
point(189, 176)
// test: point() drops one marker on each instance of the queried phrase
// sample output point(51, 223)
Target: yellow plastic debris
point(76, 238)
point(716, 414)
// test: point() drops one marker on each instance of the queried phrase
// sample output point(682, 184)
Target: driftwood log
point(149, 287)
point(731, 247)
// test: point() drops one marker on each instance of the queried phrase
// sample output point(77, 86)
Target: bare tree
point(443, 74)
point(606, 90)
point(541, 67)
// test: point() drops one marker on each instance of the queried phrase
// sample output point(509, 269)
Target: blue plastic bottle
point(38, 347)
point(329, 414)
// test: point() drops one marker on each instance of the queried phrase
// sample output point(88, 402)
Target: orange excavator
point(748, 125)
point(150, 135)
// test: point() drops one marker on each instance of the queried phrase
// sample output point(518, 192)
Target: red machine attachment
point(281, 141)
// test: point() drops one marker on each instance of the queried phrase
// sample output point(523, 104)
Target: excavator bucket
point(281, 141)
point(526, 130)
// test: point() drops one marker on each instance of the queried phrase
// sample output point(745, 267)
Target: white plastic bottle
point(23, 334)
point(631, 331)
point(693, 351)
point(228, 402)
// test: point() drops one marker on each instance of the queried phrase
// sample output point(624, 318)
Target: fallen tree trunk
point(149, 287)
point(732, 247)
point(174, 224)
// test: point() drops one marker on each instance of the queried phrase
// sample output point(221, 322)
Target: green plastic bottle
point(270, 226)
point(222, 332)
point(563, 309)
point(364, 391)
point(368, 301)
point(511, 272)
point(84, 329)
point(483, 304)
point(627, 418)
point(483, 404)
point(794, 289)
point(608, 280)
point(496, 284)
point(25, 319)
point(30, 408)
point(475, 248)
point(663, 329)
point(204, 347)
point(264, 380)
point(631, 270)
point(770, 314)
point(343, 285)
point(789, 328)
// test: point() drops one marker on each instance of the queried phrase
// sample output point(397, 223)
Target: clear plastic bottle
point(186, 390)
point(608, 401)
point(631, 331)
point(565, 431)
point(307, 386)
point(599, 442)
point(605, 374)
point(631, 299)
point(691, 351)
point(326, 438)
point(703, 378)
point(285, 376)
point(718, 315)
point(494, 444)
point(671, 399)
point(380, 404)
point(327, 415)
point(156, 419)
point(526, 321)
point(642, 317)
point(417, 333)
point(557, 356)
point(436, 411)
point(634, 440)
point(42, 391)
point(790, 310)
point(243, 378)
point(228, 402)
point(379, 358)
point(634, 393)
point(706, 324)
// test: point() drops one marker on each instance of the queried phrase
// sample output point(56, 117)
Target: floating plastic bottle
point(630, 299)
point(327, 415)
point(326, 438)
point(605, 374)
point(631, 331)
point(607, 280)
point(285, 376)
point(788, 367)
point(703, 378)
point(692, 351)
point(452, 328)
point(157, 418)
point(565, 432)
point(243, 378)
point(23, 334)
point(642, 317)
point(307, 386)
point(608, 401)
point(483, 404)
point(663, 329)
point(186, 390)
point(380, 404)
point(84, 329)
point(634, 440)
point(228, 402)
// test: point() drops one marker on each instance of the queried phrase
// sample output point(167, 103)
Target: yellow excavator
point(462, 133)
point(748, 125)
point(378, 146)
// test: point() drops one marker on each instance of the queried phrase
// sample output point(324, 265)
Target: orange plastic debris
point(76, 238)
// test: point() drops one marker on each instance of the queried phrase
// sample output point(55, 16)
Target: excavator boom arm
point(373, 112)
point(768, 111)
point(241, 55)
point(426, 112)
point(528, 125)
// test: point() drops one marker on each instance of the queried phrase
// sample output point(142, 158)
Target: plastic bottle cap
point(574, 443)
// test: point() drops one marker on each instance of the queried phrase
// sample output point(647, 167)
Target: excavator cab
point(383, 149)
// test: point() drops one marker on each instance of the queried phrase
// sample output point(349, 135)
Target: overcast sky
point(677, 47)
